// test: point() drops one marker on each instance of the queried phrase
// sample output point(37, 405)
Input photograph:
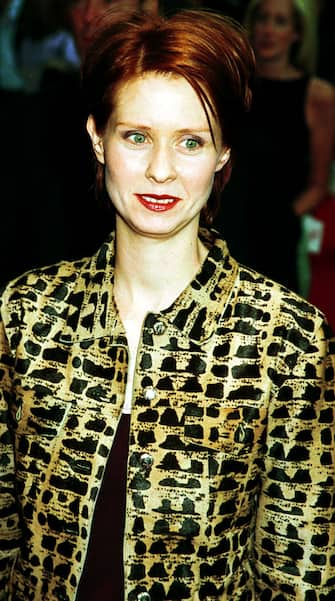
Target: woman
point(287, 144)
point(171, 413)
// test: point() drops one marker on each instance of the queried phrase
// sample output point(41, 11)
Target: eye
point(282, 21)
point(136, 137)
point(192, 143)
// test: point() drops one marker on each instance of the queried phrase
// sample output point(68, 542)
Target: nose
point(161, 166)
point(268, 26)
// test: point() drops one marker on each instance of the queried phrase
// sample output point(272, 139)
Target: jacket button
point(241, 434)
point(146, 462)
point(143, 597)
point(149, 393)
point(159, 328)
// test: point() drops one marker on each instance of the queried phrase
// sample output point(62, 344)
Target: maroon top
point(102, 576)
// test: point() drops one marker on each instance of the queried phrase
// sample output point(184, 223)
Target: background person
point(286, 146)
point(49, 211)
point(83, 13)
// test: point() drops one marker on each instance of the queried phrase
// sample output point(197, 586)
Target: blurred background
point(48, 208)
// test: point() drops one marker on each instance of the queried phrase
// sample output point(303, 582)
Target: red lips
point(158, 203)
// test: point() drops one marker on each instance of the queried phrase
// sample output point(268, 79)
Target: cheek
point(285, 40)
point(120, 167)
point(256, 39)
point(257, 32)
point(199, 177)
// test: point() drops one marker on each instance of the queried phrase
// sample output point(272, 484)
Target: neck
point(277, 69)
point(151, 273)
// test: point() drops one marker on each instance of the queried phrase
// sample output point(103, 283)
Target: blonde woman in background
point(287, 143)
point(283, 33)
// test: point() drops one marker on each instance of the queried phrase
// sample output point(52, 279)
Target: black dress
point(272, 168)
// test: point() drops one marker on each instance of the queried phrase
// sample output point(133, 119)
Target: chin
point(158, 231)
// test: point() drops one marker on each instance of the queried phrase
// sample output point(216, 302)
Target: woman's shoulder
point(45, 281)
point(321, 92)
point(56, 281)
point(320, 106)
point(285, 309)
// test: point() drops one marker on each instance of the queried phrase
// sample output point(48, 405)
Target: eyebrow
point(181, 131)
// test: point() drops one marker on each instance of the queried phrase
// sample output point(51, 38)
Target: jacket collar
point(92, 312)
point(198, 309)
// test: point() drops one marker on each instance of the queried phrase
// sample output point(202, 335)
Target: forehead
point(166, 92)
point(163, 101)
point(282, 7)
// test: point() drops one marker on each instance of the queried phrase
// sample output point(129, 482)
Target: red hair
point(209, 50)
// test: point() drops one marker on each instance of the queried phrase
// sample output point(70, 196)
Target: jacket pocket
point(40, 418)
point(234, 430)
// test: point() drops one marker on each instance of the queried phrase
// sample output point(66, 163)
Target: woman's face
point(274, 30)
point(159, 156)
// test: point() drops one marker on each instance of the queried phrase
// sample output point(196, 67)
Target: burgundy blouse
point(102, 576)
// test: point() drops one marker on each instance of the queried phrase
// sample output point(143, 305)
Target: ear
point(223, 159)
point(96, 139)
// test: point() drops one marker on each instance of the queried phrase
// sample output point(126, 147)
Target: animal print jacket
point(233, 403)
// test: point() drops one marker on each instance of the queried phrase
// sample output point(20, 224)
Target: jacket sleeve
point(9, 519)
point(295, 526)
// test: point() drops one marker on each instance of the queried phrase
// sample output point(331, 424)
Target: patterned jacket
point(231, 455)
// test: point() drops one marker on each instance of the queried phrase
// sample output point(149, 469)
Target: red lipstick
point(158, 203)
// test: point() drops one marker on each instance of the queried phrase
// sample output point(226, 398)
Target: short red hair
point(209, 50)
